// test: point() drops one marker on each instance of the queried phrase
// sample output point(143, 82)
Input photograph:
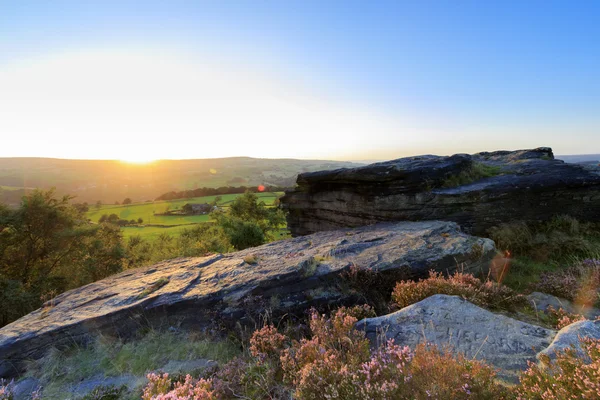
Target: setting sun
point(137, 160)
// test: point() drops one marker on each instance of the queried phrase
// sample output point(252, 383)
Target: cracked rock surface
point(523, 185)
point(288, 276)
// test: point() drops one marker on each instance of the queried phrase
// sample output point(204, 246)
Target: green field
point(165, 224)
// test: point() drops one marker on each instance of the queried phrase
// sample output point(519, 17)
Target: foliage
point(248, 222)
point(61, 368)
point(337, 363)
point(579, 283)
point(486, 294)
point(569, 376)
point(550, 240)
point(200, 240)
point(106, 393)
point(476, 172)
point(7, 390)
point(47, 247)
point(561, 318)
point(205, 191)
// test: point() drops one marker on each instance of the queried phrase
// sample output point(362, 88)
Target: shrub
point(569, 376)
point(106, 393)
point(335, 363)
point(6, 390)
point(550, 240)
point(561, 318)
point(578, 283)
point(486, 294)
point(160, 387)
point(476, 172)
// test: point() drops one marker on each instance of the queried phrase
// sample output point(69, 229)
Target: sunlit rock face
point(453, 323)
point(287, 277)
point(477, 191)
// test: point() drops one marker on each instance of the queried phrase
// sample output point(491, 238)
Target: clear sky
point(305, 79)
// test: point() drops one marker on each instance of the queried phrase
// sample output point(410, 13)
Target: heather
point(569, 376)
point(579, 283)
point(335, 362)
point(486, 294)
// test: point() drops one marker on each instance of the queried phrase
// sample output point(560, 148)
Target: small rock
point(25, 388)
point(569, 337)
point(542, 301)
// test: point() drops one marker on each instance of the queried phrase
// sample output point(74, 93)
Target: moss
point(309, 266)
point(251, 259)
point(476, 172)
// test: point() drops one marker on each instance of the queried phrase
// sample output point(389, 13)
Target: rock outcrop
point(476, 191)
point(287, 276)
point(452, 322)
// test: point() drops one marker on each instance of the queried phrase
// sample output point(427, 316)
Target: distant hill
point(110, 180)
point(581, 158)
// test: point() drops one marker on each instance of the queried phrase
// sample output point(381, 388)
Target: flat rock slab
point(500, 341)
point(287, 276)
point(523, 185)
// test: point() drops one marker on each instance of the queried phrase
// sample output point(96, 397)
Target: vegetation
point(569, 376)
point(476, 172)
point(108, 357)
point(335, 362)
point(488, 294)
point(248, 222)
point(578, 283)
point(205, 191)
point(108, 181)
point(164, 216)
point(538, 250)
point(47, 247)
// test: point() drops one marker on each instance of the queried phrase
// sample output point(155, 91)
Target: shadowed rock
point(287, 276)
point(450, 321)
point(477, 191)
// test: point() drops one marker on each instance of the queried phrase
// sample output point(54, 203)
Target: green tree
point(46, 248)
point(249, 222)
point(127, 201)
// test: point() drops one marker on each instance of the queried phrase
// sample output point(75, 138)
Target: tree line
point(205, 191)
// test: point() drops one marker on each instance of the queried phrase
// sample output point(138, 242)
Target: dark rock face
point(524, 185)
point(287, 276)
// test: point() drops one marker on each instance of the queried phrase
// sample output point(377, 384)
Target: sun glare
point(137, 160)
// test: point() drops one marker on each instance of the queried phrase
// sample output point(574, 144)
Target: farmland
point(153, 225)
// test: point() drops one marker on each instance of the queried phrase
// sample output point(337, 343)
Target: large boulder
point(477, 191)
point(286, 276)
point(454, 323)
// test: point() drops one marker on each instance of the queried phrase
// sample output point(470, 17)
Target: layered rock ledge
point(287, 276)
point(477, 191)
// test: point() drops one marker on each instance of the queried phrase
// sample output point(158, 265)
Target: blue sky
point(304, 79)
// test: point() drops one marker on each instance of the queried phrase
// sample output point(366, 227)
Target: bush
point(552, 240)
point(7, 390)
point(579, 283)
point(487, 294)
point(569, 376)
point(337, 363)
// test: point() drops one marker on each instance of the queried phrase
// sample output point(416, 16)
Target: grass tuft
point(476, 172)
